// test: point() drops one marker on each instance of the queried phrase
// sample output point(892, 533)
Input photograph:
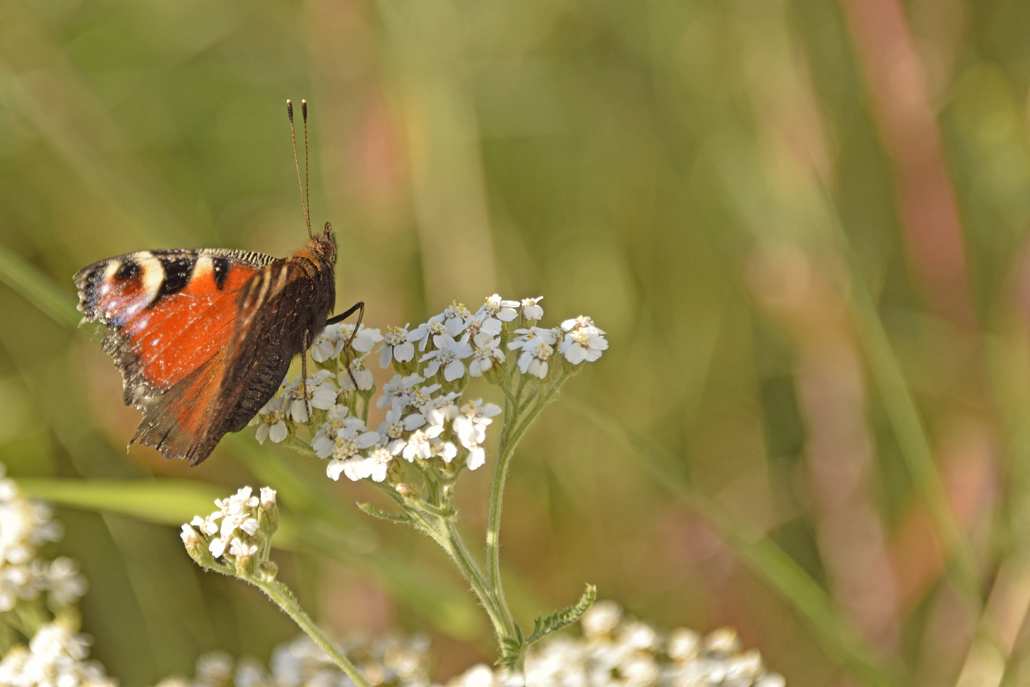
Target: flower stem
point(517, 419)
point(441, 528)
point(496, 607)
point(284, 599)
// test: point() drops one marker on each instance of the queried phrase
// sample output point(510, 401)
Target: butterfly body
point(203, 338)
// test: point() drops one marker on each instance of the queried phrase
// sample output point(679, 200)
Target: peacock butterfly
point(204, 337)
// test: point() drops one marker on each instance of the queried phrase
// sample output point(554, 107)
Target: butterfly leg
point(304, 374)
point(360, 308)
point(360, 305)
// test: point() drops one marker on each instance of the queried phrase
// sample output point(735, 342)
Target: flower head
point(470, 426)
point(447, 356)
point(317, 391)
point(583, 341)
point(503, 310)
point(26, 525)
point(235, 533)
point(531, 309)
point(398, 390)
point(487, 355)
point(330, 343)
point(337, 418)
point(271, 419)
point(54, 656)
point(361, 375)
point(348, 444)
point(427, 331)
point(396, 346)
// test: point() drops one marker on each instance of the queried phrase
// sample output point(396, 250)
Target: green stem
point(444, 532)
point(442, 529)
point(511, 434)
point(495, 606)
point(284, 599)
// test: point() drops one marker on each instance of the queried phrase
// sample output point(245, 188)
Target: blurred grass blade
point(174, 502)
point(916, 449)
point(915, 446)
point(36, 288)
point(165, 502)
point(765, 559)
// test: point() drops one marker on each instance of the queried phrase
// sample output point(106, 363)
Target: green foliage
point(515, 647)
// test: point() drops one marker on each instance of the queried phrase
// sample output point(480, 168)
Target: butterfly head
point(324, 246)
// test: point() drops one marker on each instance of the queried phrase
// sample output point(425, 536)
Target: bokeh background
point(802, 223)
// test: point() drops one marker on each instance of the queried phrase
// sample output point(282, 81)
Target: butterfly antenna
point(296, 158)
point(307, 177)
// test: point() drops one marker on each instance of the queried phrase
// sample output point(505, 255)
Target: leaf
point(514, 648)
point(561, 619)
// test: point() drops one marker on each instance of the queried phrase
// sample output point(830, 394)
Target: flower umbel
point(236, 538)
point(25, 581)
point(432, 432)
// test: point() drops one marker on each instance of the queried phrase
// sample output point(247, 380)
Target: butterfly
point(204, 337)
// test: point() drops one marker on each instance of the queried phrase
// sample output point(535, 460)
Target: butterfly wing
point(282, 310)
point(203, 338)
point(171, 319)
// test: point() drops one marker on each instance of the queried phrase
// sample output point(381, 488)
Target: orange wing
point(170, 317)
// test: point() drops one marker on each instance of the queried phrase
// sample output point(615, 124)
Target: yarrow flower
point(455, 318)
point(448, 356)
point(537, 347)
point(503, 310)
point(489, 320)
point(271, 419)
point(418, 444)
point(397, 425)
point(583, 340)
point(337, 418)
point(396, 346)
point(377, 464)
point(438, 410)
point(470, 428)
point(389, 661)
point(428, 423)
point(361, 375)
point(320, 390)
point(329, 344)
point(346, 455)
point(55, 656)
point(618, 650)
point(426, 332)
point(487, 355)
point(236, 533)
point(398, 390)
point(613, 650)
point(531, 309)
point(26, 525)
point(63, 581)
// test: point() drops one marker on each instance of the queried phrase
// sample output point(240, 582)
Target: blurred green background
point(802, 223)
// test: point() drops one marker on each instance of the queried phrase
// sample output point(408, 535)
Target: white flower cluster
point(420, 424)
point(614, 652)
point(630, 653)
point(425, 417)
point(25, 526)
point(386, 662)
point(54, 656)
point(238, 531)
